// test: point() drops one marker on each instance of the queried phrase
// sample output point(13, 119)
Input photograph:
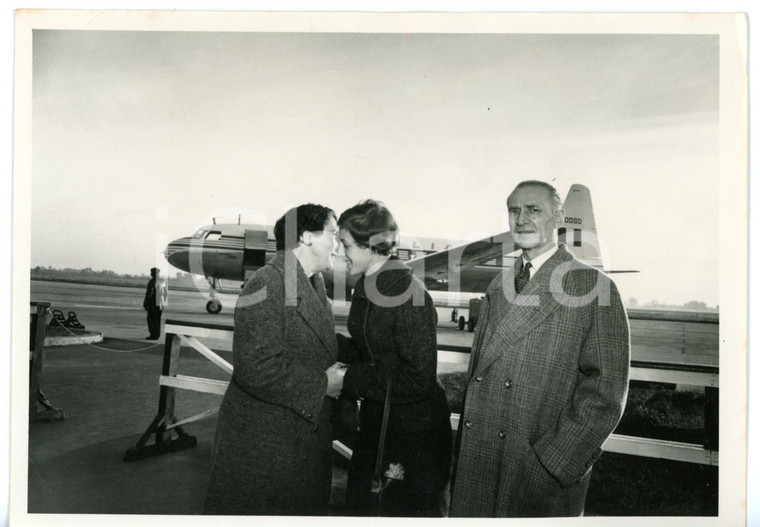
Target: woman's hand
point(335, 374)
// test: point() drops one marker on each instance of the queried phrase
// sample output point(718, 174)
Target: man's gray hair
point(549, 187)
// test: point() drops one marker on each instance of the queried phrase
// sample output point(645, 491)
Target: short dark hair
point(547, 186)
point(308, 217)
point(372, 225)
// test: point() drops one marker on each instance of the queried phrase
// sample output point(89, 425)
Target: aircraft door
point(254, 251)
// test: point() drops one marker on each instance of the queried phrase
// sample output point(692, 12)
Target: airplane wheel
point(461, 323)
point(471, 325)
point(213, 307)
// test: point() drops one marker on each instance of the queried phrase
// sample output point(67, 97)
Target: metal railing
point(165, 424)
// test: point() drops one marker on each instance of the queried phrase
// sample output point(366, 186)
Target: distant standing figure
point(156, 297)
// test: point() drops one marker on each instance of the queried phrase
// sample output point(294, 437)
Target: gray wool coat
point(273, 446)
point(546, 385)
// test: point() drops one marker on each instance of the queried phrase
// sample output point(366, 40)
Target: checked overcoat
point(273, 446)
point(546, 385)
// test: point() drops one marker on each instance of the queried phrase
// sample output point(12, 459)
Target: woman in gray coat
point(272, 450)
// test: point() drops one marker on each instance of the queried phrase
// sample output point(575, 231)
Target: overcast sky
point(141, 137)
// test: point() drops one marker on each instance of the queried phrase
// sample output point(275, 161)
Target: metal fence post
point(40, 408)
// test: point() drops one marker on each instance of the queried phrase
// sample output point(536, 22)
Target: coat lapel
point(311, 302)
point(524, 312)
point(316, 311)
point(496, 309)
point(481, 335)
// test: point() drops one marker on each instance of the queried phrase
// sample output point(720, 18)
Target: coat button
point(309, 416)
point(508, 383)
point(478, 379)
point(502, 435)
point(468, 424)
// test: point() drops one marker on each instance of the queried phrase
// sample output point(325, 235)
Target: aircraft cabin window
point(214, 236)
point(199, 233)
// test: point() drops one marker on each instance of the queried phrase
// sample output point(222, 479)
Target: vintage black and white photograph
point(343, 265)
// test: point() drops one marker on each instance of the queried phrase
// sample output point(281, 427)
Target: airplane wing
point(467, 267)
point(471, 267)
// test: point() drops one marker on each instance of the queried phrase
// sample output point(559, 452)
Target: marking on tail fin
point(578, 230)
point(578, 209)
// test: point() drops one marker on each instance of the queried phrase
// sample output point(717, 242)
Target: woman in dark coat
point(273, 446)
point(392, 323)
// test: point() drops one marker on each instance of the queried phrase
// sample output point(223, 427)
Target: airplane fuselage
point(234, 251)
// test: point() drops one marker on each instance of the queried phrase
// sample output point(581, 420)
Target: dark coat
point(397, 338)
point(149, 302)
point(546, 386)
point(394, 340)
point(272, 450)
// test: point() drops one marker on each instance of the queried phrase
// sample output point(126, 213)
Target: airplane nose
point(176, 253)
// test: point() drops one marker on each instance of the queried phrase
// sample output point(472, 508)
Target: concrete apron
point(76, 465)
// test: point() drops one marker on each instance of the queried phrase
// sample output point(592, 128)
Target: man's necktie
point(522, 278)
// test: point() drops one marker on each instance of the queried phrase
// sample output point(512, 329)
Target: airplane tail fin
point(579, 229)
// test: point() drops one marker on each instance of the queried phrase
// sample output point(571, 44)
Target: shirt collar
point(538, 261)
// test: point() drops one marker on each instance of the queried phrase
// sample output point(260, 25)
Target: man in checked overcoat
point(548, 375)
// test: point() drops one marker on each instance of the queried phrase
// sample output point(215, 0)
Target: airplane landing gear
point(469, 323)
point(474, 311)
point(213, 306)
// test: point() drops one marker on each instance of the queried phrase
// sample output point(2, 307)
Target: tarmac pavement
point(76, 465)
point(117, 312)
point(109, 392)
